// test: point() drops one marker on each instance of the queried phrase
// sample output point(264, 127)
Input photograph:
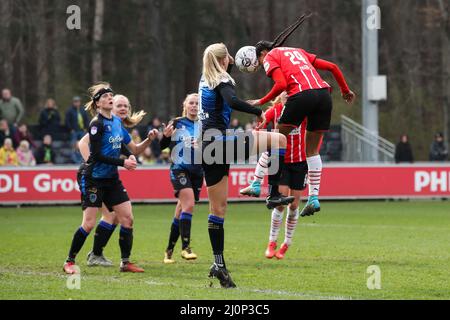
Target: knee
point(127, 222)
point(88, 225)
point(293, 206)
point(109, 218)
point(188, 207)
point(283, 141)
point(219, 209)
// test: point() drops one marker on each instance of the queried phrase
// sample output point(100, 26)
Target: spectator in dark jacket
point(77, 120)
point(45, 154)
point(403, 150)
point(155, 123)
point(49, 118)
point(438, 149)
point(6, 131)
point(22, 133)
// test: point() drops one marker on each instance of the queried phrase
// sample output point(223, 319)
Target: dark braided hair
point(281, 38)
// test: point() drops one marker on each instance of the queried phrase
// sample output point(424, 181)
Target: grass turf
point(409, 241)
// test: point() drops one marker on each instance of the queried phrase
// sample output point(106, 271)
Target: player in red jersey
point(292, 181)
point(294, 70)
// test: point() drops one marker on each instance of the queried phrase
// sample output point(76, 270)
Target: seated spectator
point(77, 120)
point(76, 155)
point(49, 118)
point(6, 131)
point(147, 157)
point(135, 136)
point(22, 133)
point(45, 154)
point(8, 157)
point(164, 158)
point(24, 154)
point(403, 150)
point(438, 149)
point(11, 109)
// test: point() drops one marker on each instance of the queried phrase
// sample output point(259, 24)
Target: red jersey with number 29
point(297, 67)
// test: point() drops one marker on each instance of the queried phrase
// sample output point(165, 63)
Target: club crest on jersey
point(94, 130)
point(92, 197)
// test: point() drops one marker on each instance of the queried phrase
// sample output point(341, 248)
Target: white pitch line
point(319, 225)
point(152, 282)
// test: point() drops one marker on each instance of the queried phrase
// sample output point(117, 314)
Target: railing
point(363, 145)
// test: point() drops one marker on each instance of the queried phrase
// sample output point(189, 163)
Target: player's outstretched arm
point(347, 94)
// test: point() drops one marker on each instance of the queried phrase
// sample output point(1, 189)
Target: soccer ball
point(246, 59)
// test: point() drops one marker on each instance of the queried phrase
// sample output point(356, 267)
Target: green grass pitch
point(409, 241)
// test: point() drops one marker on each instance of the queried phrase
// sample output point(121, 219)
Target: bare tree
point(6, 67)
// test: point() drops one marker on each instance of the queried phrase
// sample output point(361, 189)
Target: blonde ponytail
point(133, 118)
point(213, 72)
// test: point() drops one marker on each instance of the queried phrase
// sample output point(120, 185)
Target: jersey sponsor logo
point(116, 141)
point(94, 130)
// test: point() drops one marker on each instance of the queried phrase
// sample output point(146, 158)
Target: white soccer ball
point(246, 59)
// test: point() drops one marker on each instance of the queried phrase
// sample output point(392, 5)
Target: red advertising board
point(58, 184)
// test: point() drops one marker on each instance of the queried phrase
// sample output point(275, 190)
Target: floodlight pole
point(370, 69)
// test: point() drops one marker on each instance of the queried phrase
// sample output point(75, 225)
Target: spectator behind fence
point(22, 133)
point(49, 118)
point(147, 157)
point(155, 123)
point(403, 150)
point(438, 149)
point(6, 131)
point(8, 156)
point(11, 109)
point(25, 155)
point(77, 120)
point(45, 154)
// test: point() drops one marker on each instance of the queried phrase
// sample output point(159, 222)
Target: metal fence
point(362, 145)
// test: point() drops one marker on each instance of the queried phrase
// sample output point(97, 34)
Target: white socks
point(277, 220)
point(261, 167)
point(314, 174)
point(291, 224)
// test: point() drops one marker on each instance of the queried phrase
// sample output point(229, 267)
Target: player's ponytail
point(91, 106)
point(213, 72)
point(133, 118)
point(281, 38)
